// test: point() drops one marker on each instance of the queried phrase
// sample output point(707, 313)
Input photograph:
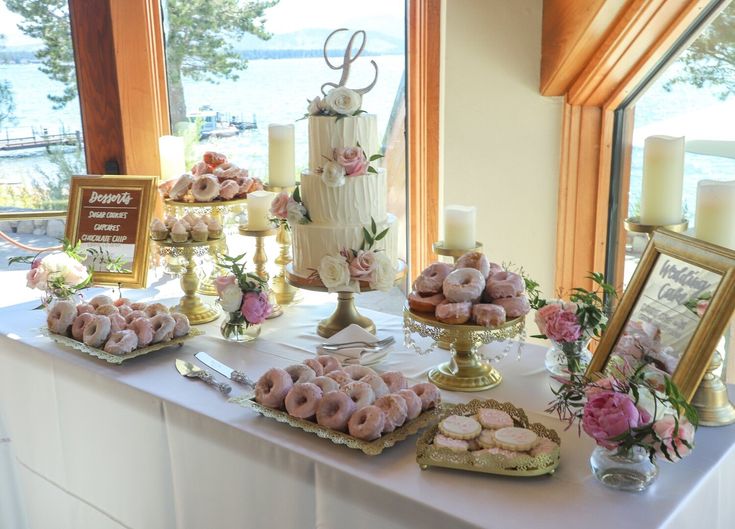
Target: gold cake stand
point(190, 304)
point(285, 293)
point(260, 259)
point(454, 253)
point(466, 370)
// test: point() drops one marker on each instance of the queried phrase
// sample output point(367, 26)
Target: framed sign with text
point(109, 217)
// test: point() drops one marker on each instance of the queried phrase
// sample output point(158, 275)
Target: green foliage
point(371, 236)
point(53, 188)
point(7, 102)
point(247, 281)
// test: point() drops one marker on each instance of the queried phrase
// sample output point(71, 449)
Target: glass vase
point(235, 329)
point(564, 358)
point(624, 469)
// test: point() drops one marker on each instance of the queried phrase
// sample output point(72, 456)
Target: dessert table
point(85, 444)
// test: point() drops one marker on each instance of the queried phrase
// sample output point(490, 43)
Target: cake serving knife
point(235, 376)
point(189, 370)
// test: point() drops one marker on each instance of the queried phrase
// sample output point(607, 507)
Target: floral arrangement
point(242, 292)
point(623, 413)
point(289, 209)
point(348, 161)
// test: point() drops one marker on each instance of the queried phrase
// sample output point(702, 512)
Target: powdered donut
point(117, 322)
point(205, 188)
point(454, 313)
point(339, 376)
point(182, 325)
point(395, 410)
point(100, 300)
point(431, 280)
point(464, 284)
point(326, 384)
point(419, 303)
point(139, 305)
point(199, 168)
point(61, 316)
point(80, 322)
point(335, 410)
point(329, 363)
point(134, 315)
point(380, 388)
point(119, 302)
point(514, 307)
point(106, 310)
point(272, 388)
point(395, 380)
point(314, 364)
point(143, 330)
point(180, 187)
point(505, 285)
point(85, 308)
point(97, 331)
point(357, 372)
point(367, 423)
point(488, 314)
point(228, 189)
point(302, 400)
point(155, 308)
point(121, 342)
point(428, 393)
point(360, 392)
point(163, 327)
point(300, 373)
point(476, 260)
point(124, 310)
point(413, 403)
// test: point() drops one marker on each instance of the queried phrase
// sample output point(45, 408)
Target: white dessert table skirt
point(91, 445)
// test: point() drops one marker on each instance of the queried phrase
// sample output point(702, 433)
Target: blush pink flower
point(544, 313)
point(279, 206)
point(362, 267)
point(222, 282)
point(36, 278)
point(563, 327)
point(702, 307)
point(352, 159)
point(255, 307)
point(673, 439)
point(609, 414)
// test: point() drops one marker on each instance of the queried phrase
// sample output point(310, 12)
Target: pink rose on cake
point(279, 206)
point(352, 159)
point(362, 266)
point(255, 307)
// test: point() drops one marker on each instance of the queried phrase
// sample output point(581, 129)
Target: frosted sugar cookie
point(459, 427)
point(494, 419)
point(487, 439)
point(544, 446)
point(519, 439)
point(456, 445)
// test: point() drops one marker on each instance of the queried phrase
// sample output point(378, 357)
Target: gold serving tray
point(427, 455)
point(211, 204)
point(117, 359)
point(371, 448)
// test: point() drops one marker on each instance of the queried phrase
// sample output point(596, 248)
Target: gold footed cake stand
point(190, 304)
point(454, 253)
point(285, 293)
point(260, 259)
point(466, 370)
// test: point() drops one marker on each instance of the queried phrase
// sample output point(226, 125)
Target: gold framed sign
point(673, 313)
point(109, 216)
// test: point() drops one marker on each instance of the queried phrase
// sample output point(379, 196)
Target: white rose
point(63, 265)
point(335, 273)
point(231, 298)
point(333, 174)
point(344, 101)
point(648, 403)
point(315, 106)
point(296, 213)
point(384, 276)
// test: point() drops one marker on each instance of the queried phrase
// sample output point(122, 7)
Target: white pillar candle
point(714, 219)
point(459, 227)
point(663, 180)
point(171, 154)
point(281, 156)
point(259, 203)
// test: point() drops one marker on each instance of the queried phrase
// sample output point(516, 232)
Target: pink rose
point(544, 313)
point(563, 327)
point(279, 206)
point(673, 439)
point(609, 414)
point(255, 307)
point(222, 282)
point(352, 159)
point(362, 267)
point(702, 307)
point(36, 278)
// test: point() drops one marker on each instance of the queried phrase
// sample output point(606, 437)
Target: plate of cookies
point(491, 437)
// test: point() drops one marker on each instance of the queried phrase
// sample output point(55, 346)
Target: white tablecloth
point(93, 445)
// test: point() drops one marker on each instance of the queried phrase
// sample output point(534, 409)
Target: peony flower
point(279, 206)
point(255, 307)
point(231, 298)
point(602, 384)
point(563, 326)
point(333, 174)
point(296, 213)
point(352, 159)
point(384, 275)
point(343, 101)
point(608, 414)
point(362, 266)
point(545, 313)
point(65, 266)
point(335, 273)
point(36, 278)
point(223, 282)
point(672, 439)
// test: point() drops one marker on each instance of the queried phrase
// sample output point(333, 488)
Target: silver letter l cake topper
point(348, 60)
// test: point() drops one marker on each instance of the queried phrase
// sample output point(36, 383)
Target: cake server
point(191, 371)
point(213, 363)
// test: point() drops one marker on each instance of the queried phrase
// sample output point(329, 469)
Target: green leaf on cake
point(358, 112)
point(368, 238)
point(380, 236)
point(297, 194)
point(372, 170)
point(373, 227)
point(376, 157)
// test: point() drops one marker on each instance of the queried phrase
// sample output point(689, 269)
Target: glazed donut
point(155, 308)
point(428, 393)
point(315, 366)
point(329, 363)
point(106, 310)
point(121, 342)
point(300, 373)
point(205, 188)
point(335, 410)
point(302, 400)
point(494, 269)
point(165, 187)
point(117, 322)
point(139, 305)
point(454, 313)
point(504, 285)
point(420, 303)
point(180, 187)
point(367, 424)
point(395, 410)
point(124, 310)
point(379, 386)
point(413, 403)
point(213, 159)
point(143, 330)
point(245, 185)
point(228, 189)
point(100, 300)
point(121, 301)
point(476, 260)
point(163, 327)
point(395, 380)
point(326, 384)
point(272, 388)
point(134, 315)
point(83, 308)
point(80, 322)
point(357, 372)
point(464, 284)
point(488, 314)
point(199, 168)
point(431, 280)
point(61, 316)
point(340, 377)
point(360, 392)
point(514, 307)
point(182, 325)
point(97, 331)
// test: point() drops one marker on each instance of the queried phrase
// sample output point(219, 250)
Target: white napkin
point(354, 355)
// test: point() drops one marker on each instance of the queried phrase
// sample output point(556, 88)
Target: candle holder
point(711, 400)
point(286, 294)
point(454, 253)
point(633, 225)
point(260, 259)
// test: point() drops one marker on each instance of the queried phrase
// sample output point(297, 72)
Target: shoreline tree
point(7, 101)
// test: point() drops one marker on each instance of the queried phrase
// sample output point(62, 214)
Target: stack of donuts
point(473, 290)
point(118, 327)
point(352, 399)
point(211, 179)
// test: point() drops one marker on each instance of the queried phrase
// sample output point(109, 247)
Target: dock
point(40, 140)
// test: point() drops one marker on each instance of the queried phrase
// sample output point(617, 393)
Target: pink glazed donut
point(505, 285)
point(329, 363)
point(360, 392)
point(432, 278)
point(428, 393)
point(117, 323)
point(395, 380)
point(379, 386)
point(476, 260)
point(339, 376)
point(335, 410)
point(367, 424)
point(182, 325)
point(134, 315)
point(80, 322)
point(395, 409)
point(357, 372)
point(97, 331)
point(302, 400)
point(514, 307)
point(488, 314)
point(61, 316)
point(413, 404)
point(326, 384)
point(421, 303)
point(272, 388)
point(300, 373)
point(464, 284)
point(315, 366)
point(121, 342)
point(163, 327)
point(454, 313)
point(143, 330)
point(100, 300)
point(85, 307)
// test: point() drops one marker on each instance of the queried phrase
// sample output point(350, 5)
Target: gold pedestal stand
point(260, 259)
point(711, 400)
point(190, 304)
point(633, 225)
point(467, 370)
point(454, 253)
point(285, 293)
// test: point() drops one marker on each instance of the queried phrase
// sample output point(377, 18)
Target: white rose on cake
point(335, 273)
point(231, 298)
point(384, 273)
point(343, 101)
point(316, 106)
point(333, 174)
point(296, 213)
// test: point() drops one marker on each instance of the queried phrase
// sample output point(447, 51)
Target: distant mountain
point(313, 39)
